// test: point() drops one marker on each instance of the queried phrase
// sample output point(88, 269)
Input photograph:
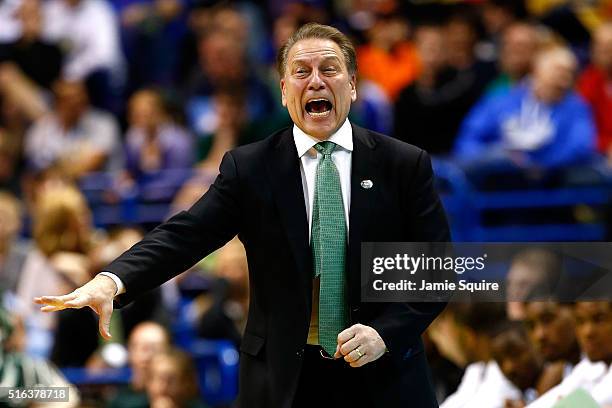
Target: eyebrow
point(298, 60)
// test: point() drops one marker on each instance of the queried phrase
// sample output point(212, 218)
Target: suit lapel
point(364, 167)
point(286, 182)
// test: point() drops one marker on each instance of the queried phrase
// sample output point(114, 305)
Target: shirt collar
point(343, 137)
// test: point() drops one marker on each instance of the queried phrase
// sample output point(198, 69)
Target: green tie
point(328, 243)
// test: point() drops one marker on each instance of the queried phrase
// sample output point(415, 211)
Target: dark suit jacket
point(258, 195)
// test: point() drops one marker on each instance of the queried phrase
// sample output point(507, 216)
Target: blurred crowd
point(532, 351)
point(144, 97)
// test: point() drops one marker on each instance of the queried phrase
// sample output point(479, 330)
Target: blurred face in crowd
point(31, 22)
point(554, 74)
point(222, 57)
point(317, 88)
point(232, 265)
point(170, 381)
point(10, 219)
point(522, 280)
point(460, 37)
point(429, 41)
point(147, 340)
point(517, 358)
point(71, 101)
point(602, 48)
point(388, 31)
point(145, 110)
point(551, 328)
point(518, 48)
point(594, 329)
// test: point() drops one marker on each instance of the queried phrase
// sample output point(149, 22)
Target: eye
point(300, 71)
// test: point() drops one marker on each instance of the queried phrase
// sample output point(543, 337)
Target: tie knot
point(325, 148)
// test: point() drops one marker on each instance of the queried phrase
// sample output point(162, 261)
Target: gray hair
point(320, 31)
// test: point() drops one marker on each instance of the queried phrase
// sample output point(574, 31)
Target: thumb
point(104, 321)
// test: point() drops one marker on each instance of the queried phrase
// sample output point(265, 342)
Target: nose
point(315, 83)
point(539, 333)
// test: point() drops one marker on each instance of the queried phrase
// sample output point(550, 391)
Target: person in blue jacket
point(541, 123)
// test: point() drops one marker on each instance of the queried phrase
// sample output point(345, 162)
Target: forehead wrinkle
point(310, 53)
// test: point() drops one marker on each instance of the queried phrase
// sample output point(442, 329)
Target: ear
point(353, 85)
point(283, 92)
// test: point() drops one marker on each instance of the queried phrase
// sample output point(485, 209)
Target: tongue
point(318, 106)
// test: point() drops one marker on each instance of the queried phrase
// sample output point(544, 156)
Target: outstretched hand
point(98, 294)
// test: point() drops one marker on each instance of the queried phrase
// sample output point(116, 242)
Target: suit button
point(355, 310)
point(300, 353)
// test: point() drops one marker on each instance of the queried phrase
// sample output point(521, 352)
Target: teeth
point(319, 114)
point(318, 100)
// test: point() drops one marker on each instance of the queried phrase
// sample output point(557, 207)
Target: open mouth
point(318, 107)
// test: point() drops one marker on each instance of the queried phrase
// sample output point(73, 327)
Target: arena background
point(115, 115)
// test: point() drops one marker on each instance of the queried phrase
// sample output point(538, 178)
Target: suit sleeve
point(401, 324)
point(184, 239)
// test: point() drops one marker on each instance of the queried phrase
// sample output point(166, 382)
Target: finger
point(350, 345)
point(361, 362)
point(347, 334)
point(55, 300)
point(47, 309)
point(104, 321)
point(337, 354)
point(354, 356)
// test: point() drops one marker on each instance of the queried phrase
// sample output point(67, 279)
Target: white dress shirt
point(89, 32)
point(484, 386)
point(309, 158)
point(590, 376)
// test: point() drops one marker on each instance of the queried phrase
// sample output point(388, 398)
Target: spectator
point(542, 123)
point(75, 137)
point(59, 262)
point(158, 151)
point(89, 31)
point(152, 33)
point(13, 251)
point(464, 334)
point(552, 329)
point(593, 374)
point(428, 112)
point(496, 16)
point(533, 275)
point(595, 85)
point(461, 38)
point(147, 340)
point(23, 79)
point(223, 312)
point(520, 362)
point(173, 381)
point(519, 45)
point(388, 46)
point(21, 371)
point(223, 69)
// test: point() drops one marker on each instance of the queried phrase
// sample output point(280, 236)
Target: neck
point(573, 355)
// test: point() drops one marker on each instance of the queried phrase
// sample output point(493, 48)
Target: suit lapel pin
point(367, 184)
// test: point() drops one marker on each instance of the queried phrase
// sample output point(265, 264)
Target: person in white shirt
point(74, 138)
point(552, 329)
point(593, 374)
point(522, 364)
point(90, 32)
point(469, 330)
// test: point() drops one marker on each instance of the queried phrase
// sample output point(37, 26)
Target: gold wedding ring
point(359, 353)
